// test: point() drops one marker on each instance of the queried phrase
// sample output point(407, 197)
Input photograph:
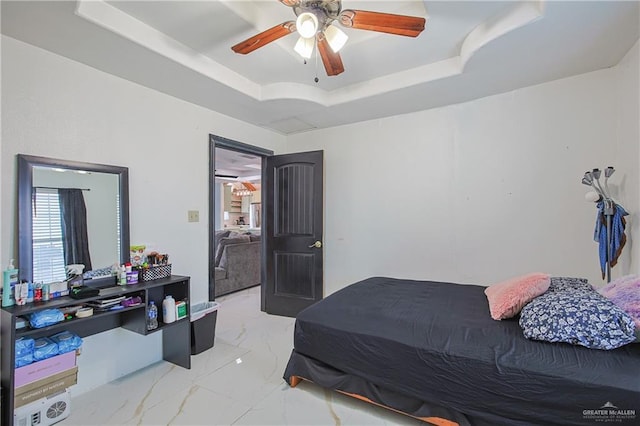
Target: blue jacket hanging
point(618, 238)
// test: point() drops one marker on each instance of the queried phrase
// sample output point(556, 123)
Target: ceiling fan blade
point(265, 37)
point(251, 187)
point(410, 26)
point(290, 3)
point(331, 60)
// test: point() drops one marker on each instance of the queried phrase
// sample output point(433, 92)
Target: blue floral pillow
point(569, 284)
point(577, 316)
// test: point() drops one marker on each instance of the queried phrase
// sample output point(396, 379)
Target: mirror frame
point(26, 164)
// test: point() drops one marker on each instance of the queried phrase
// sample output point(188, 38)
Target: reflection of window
point(48, 253)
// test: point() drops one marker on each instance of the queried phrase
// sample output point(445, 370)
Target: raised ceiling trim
point(123, 24)
point(517, 17)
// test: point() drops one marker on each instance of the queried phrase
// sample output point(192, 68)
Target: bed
point(431, 350)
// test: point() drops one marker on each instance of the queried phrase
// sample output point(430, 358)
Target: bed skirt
point(303, 367)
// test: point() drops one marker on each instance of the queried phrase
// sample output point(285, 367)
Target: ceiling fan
point(315, 24)
point(232, 177)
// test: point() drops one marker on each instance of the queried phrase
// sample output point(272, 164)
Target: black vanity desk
point(176, 336)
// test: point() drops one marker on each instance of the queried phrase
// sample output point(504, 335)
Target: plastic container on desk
point(168, 310)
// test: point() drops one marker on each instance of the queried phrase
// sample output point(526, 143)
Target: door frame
point(216, 141)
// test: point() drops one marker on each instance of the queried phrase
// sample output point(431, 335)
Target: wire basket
point(155, 272)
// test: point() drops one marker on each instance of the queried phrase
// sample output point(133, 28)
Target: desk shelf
point(163, 326)
point(176, 336)
point(74, 323)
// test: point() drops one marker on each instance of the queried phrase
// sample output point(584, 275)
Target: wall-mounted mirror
point(71, 213)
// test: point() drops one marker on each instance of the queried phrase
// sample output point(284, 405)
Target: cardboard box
point(45, 387)
point(43, 369)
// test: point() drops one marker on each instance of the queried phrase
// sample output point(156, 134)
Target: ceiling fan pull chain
point(316, 79)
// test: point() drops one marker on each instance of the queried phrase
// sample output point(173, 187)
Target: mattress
point(436, 342)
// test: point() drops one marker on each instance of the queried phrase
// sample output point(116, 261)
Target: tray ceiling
point(469, 49)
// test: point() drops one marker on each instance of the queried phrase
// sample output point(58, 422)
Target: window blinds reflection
point(48, 252)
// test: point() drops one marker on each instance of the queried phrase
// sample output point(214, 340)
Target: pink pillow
point(506, 299)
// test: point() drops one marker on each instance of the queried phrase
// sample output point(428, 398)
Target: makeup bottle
point(9, 281)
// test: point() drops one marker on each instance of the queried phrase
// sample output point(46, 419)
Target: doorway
point(289, 247)
point(235, 210)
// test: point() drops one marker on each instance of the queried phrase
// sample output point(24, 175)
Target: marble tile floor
point(237, 382)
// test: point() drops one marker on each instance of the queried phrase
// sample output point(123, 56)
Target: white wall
point(55, 107)
point(480, 191)
point(628, 143)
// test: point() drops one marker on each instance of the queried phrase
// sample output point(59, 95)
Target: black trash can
point(203, 326)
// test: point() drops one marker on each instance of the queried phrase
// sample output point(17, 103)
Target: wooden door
point(293, 249)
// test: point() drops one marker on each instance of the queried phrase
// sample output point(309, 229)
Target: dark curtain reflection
point(73, 215)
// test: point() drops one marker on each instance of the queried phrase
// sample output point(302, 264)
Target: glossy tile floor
point(237, 382)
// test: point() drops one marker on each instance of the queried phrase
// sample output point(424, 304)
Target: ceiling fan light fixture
point(304, 47)
point(314, 24)
point(335, 37)
point(307, 25)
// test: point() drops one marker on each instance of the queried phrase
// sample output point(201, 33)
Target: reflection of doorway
point(235, 195)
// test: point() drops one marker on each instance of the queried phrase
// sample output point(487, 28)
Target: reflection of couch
point(237, 262)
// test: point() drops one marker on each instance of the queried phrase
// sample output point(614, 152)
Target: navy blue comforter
point(437, 342)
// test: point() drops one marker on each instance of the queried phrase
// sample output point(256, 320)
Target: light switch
point(194, 215)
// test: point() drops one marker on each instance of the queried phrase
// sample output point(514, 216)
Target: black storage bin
point(203, 326)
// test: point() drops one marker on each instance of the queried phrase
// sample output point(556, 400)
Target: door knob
point(317, 244)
